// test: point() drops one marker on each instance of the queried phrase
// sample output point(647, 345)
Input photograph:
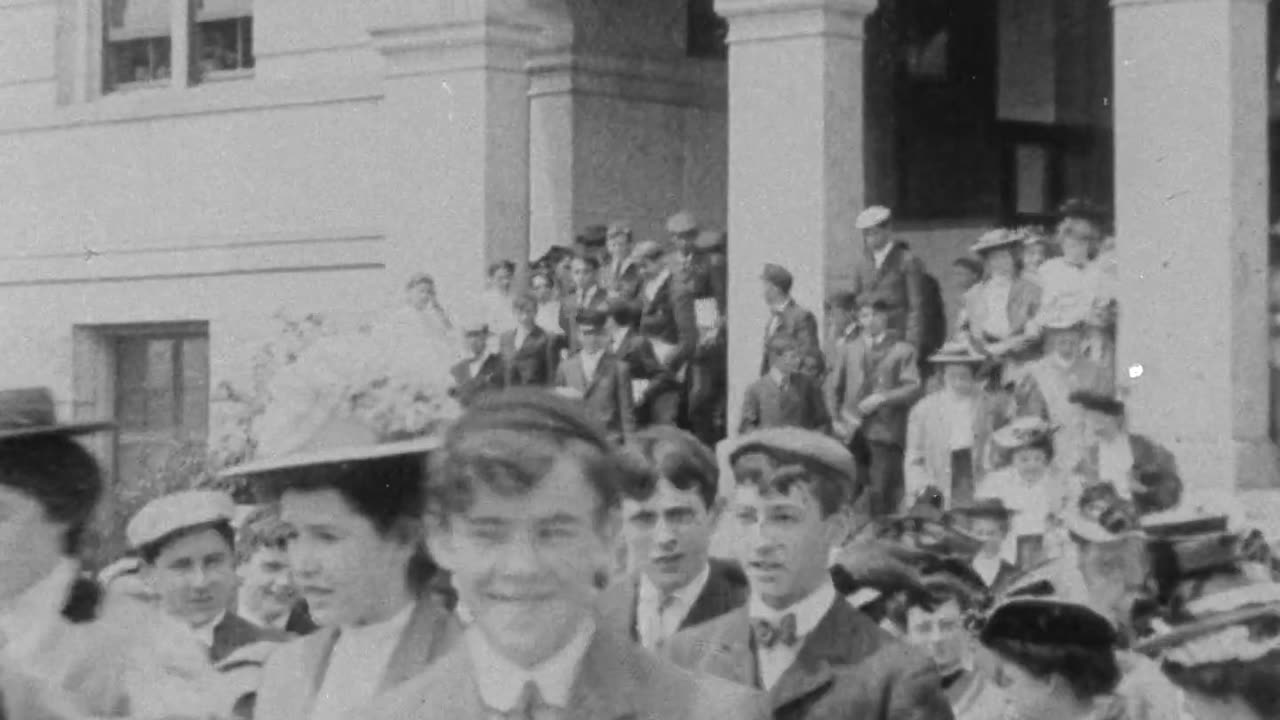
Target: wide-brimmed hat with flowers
point(995, 240)
point(1023, 432)
point(29, 412)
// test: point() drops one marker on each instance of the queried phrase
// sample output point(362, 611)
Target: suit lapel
point(603, 367)
point(836, 640)
point(618, 606)
point(731, 654)
point(718, 596)
point(576, 375)
point(429, 632)
point(316, 649)
point(607, 686)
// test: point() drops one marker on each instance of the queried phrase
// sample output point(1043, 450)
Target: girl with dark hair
point(1054, 659)
point(356, 504)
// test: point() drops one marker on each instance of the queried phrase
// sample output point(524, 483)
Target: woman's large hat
point(957, 352)
point(1049, 621)
point(1236, 620)
point(29, 412)
point(334, 441)
point(1022, 432)
point(994, 240)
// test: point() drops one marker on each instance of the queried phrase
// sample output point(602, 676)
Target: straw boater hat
point(994, 240)
point(957, 352)
point(1022, 432)
point(178, 511)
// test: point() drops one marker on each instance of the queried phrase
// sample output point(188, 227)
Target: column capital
point(425, 36)
point(1117, 4)
point(761, 20)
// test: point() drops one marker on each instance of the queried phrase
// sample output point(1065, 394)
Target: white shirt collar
point(24, 621)
point(619, 337)
point(204, 633)
point(808, 611)
point(778, 308)
point(987, 567)
point(477, 362)
point(778, 376)
point(278, 624)
point(684, 597)
point(651, 287)
point(500, 681)
point(883, 253)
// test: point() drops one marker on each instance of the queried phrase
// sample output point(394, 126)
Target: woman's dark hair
point(388, 492)
point(58, 473)
point(1089, 670)
point(1256, 683)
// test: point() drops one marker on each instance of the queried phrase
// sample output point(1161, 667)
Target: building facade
point(181, 171)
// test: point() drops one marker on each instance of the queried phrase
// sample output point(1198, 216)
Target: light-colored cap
point(994, 239)
point(169, 514)
point(823, 449)
point(647, 250)
point(618, 227)
point(872, 217)
point(681, 223)
point(956, 352)
point(1022, 432)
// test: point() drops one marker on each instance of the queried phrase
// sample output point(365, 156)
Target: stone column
point(456, 118)
point(795, 157)
point(1191, 208)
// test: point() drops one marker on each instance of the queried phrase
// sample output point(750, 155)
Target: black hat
point(1097, 402)
point(593, 235)
point(1049, 621)
point(29, 412)
point(591, 319)
point(984, 508)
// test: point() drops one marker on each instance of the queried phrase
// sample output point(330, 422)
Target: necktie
point(527, 706)
point(769, 635)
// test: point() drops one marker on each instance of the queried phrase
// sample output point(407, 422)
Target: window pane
point(225, 45)
point(137, 61)
point(134, 19)
point(223, 9)
point(161, 395)
point(195, 387)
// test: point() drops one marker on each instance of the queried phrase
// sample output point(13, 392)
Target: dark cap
point(591, 320)
point(993, 508)
point(1097, 402)
point(777, 276)
point(593, 235)
point(876, 302)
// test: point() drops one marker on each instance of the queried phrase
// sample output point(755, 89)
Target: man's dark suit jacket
point(234, 632)
point(847, 667)
point(533, 363)
point(800, 404)
point(597, 299)
point(466, 387)
point(899, 281)
point(607, 395)
point(888, 368)
point(669, 317)
point(801, 326)
point(726, 589)
point(637, 352)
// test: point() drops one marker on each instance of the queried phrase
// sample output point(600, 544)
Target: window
point(153, 381)
point(174, 43)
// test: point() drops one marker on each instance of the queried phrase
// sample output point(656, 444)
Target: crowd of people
point(926, 525)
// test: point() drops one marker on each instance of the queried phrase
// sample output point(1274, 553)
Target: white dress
point(1037, 506)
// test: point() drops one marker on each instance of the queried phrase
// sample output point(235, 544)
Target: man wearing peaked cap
point(1140, 469)
point(602, 378)
point(682, 224)
point(668, 318)
point(890, 271)
point(187, 546)
point(787, 318)
point(483, 371)
point(796, 637)
point(102, 651)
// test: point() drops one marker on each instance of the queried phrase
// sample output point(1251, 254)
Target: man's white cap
point(171, 513)
point(872, 217)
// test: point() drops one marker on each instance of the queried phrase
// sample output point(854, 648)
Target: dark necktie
point(769, 634)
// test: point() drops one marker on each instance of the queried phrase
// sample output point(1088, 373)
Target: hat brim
point(417, 446)
point(981, 248)
point(1189, 631)
point(65, 430)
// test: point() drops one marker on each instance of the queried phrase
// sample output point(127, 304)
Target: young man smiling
point(525, 516)
point(187, 547)
point(815, 654)
point(668, 516)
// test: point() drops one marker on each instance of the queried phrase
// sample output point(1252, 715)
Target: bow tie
point(769, 634)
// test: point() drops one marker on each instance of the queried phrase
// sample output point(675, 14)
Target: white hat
point(872, 216)
point(171, 513)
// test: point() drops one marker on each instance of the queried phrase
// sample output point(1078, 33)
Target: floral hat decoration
point(1023, 432)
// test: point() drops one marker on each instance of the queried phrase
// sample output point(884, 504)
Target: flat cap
point(1097, 402)
point(591, 319)
point(593, 235)
point(814, 446)
point(777, 275)
point(681, 223)
point(711, 240)
point(648, 250)
point(170, 513)
point(872, 217)
point(618, 227)
point(1049, 621)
